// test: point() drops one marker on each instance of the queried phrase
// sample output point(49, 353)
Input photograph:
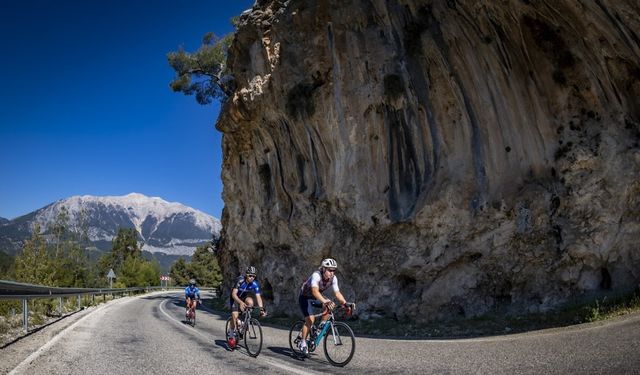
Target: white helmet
point(329, 263)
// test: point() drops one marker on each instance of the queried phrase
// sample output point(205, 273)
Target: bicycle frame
point(338, 350)
point(245, 319)
point(328, 323)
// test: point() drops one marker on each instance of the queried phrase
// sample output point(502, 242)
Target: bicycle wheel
point(227, 329)
point(339, 344)
point(253, 337)
point(295, 335)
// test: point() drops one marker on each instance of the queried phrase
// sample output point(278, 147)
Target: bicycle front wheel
point(295, 335)
point(227, 330)
point(339, 344)
point(253, 337)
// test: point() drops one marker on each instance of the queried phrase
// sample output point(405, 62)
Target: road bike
point(338, 338)
point(248, 329)
point(191, 314)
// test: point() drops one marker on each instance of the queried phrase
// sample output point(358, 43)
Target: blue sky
point(85, 104)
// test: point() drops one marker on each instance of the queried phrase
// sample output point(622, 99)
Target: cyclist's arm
point(340, 298)
point(315, 291)
point(234, 295)
point(259, 298)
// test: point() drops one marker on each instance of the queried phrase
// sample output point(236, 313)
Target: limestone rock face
point(455, 157)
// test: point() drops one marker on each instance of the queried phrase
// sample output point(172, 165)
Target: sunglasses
point(330, 270)
point(251, 275)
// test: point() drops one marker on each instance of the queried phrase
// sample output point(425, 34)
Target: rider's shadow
point(223, 344)
point(286, 352)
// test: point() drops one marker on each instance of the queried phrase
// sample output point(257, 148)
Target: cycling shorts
point(234, 305)
point(307, 304)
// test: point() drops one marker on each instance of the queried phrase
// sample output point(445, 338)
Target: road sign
point(111, 275)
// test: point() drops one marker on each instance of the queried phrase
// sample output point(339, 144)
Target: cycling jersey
point(191, 292)
point(315, 280)
point(244, 288)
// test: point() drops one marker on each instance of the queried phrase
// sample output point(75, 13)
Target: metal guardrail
point(13, 290)
point(10, 290)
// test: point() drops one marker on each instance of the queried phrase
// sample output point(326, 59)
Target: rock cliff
point(457, 157)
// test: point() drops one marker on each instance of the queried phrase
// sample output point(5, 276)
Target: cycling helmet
point(329, 263)
point(192, 282)
point(251, 270)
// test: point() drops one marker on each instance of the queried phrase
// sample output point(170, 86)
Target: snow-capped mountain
point(162, 226)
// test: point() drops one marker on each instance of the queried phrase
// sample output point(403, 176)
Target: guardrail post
point(79, 302)
point(60, 306)
point(25, 316)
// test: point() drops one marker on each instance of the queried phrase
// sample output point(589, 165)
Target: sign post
point(111, 275)
point(166, 281)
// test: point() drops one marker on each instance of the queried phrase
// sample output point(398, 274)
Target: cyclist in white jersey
point(311, 291)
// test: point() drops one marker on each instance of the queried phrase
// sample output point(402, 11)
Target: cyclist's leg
point(306, 309)
point(235, 312)
point(249, 301)
point(325, 314)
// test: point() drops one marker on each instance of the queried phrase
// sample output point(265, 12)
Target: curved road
point(146, 335)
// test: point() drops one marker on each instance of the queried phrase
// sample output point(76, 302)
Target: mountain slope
point(170, 228)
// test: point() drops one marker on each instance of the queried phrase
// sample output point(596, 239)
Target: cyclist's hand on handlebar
point(242, 306)
point(349, 308)
point(263, 311)
point(330, 305)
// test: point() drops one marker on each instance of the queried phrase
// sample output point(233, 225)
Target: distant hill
point(3, 220)
point(163, 227)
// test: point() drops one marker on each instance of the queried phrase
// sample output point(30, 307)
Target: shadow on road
point(287, 352)
point(223, 344)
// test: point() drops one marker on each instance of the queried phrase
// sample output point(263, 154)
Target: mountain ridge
point(167, 227)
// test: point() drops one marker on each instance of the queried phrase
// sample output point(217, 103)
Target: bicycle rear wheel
point(295, 335)
point(339, 344)
point(253, 337)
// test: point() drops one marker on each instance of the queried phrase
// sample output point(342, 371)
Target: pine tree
point(204, 72)
point(33, 265)
point(179, 272)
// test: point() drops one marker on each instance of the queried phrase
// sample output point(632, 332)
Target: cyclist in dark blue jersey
point(192, 295)
point(241, 298)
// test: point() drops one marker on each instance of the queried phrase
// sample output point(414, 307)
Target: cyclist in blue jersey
point(192, 295)
point(241, 298)
point(311, 291)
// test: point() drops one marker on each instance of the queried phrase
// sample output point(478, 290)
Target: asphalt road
point(146, 335)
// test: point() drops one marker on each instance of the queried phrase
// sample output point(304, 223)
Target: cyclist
point(192, 295)
point(241, 298)
point(311, 292)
